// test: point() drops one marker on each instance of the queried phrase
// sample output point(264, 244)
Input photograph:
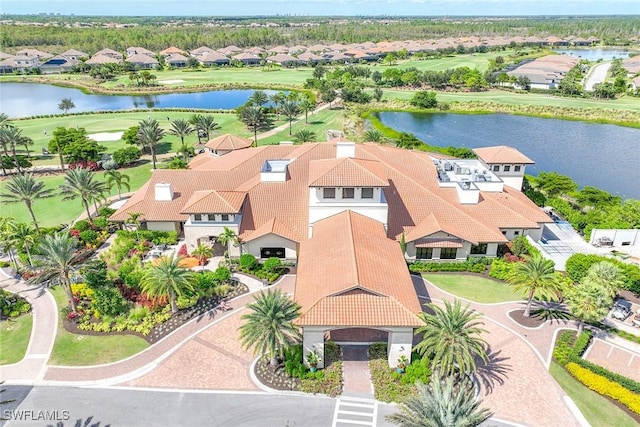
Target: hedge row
point(605, 387)
point(578, 264)
point(625, 382)
point(474, 265)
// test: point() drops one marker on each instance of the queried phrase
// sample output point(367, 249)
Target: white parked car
point(621, 309)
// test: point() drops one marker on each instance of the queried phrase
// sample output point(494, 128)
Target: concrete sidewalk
point(43, 333)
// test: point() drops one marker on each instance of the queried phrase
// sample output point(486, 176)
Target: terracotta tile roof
point(273, 226)
point(212, 201)
point(346, 172)
point(348, 262)
point(501, 154)
point(141, 58)
point(102, 59)
point(228, 142)
point(431, 225)
point(170, 50)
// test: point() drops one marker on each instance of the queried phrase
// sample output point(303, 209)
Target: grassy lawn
point(53, 211)
point(82, 350)
point(14, 338)
point(474, 288)
point(598, 410)
point(318, 123)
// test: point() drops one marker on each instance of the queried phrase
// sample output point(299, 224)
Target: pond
point(599, 155)
point(595, 54)
point(32, 99)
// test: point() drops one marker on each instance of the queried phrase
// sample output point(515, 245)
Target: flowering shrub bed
point(12, 305)
point(474, 265)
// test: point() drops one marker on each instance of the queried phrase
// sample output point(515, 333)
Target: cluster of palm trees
point(79, 182)
point(150, 134)
point(256, 117)
point(10, 138)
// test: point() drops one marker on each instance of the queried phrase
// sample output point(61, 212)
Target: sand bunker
point(170, 82)
point(106, 136)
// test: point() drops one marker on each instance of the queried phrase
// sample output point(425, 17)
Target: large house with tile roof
point(339, 210)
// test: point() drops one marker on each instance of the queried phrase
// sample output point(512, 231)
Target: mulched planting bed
point(160, 331)
point(275, 377)
point(532, 321)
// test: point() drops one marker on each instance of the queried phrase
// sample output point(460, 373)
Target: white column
point(313, 340)
point(400, 344)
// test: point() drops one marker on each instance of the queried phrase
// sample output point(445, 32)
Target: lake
point(599, 155)
point(32, 99)
point(591, 54)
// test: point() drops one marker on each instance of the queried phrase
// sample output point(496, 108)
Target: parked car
point(621, 309)
point(604, 241)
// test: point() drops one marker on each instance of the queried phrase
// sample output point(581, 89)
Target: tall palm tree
point(117, 179)
point(7, 242)
point(58, 261)
point(195, 120)
point(452, 337)
point(79, 183)
point(255, 118)
point(10, 137)
point(24, 188)
point(441, 403)
point(589, 301)
point(304, 135)
point(228, 236)
point(181, 128)
point(167, 278)
point(25, 238)
point(269, 328)
point(277, 98)
point(258, 98)
point(134, 218)
point(202, 252)
point(306, 105)
point(536, 277)
point(207, 124)
point(290, 110)
point(149, 135)
point(66, 104)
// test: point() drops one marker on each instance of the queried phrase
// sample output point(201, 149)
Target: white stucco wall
point(271, 241)
point(400, 344)
point(195, 231)
point(313, 339)
point(461, 253)
point(162, 226)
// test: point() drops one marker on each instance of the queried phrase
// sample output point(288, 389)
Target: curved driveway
point(597, 75)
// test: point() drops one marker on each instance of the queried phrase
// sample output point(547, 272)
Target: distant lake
point(591, 54)
point(599, 155)
point(31, 99)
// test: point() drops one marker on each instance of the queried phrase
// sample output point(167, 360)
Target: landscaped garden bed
point(291, 374)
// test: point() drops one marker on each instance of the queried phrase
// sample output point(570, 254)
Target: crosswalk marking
point(350, 410)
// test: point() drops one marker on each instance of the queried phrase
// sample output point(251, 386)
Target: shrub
point(272, 265)
point(247, 262)
point(564, 347)
point(581, 344)
point(186, 302)
point(82, 225)
point(82, 291)
point(475, 265)
point(126, 156)
point(183, 251)
point(106, 211)
point(578, 264)
point(101, 223)
point(108, 301)
point(500, 269)
point(89, 237)
point(293, 364)
point(424, 99)
point(605, 387)
point(4, 264)
point(419, 370)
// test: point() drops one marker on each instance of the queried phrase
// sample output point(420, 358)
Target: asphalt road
point(48, 405)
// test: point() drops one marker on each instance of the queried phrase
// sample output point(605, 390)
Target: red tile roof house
point(340, 209)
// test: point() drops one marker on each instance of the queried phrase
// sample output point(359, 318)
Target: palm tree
point(149, 135)
point(24, 237)
point(58, 262)
point(7, 242)
point(66, 104)
point(277, 98)
point(79, 183)
point(118, 179)
point(226, 237)
point(207, 124)
point(203, 252)
point(24, 188)
point(535, 276)
point(452, 336)
point(290, 110)
point(373, 135)
point(11, 136)
point(304, 135)
point(306, 105)
point(167, 278)
point(441, 403)
point(606, 274)
point(134, 218)
point(181, 128)
point(258, 98)
point(269, 328)
point(255, 118)
point(195, 120)
point(589, 301)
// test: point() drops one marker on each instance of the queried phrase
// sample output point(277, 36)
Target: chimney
point(164, 192)
point(345, 149)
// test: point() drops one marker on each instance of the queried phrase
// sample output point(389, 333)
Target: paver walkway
point(43, 333)
point(355, 371)
point(175, 350)
point(516, 384)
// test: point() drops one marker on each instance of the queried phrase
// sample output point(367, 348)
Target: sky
point(323, 7)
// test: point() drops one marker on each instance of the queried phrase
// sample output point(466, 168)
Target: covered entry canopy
point(351, 275)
